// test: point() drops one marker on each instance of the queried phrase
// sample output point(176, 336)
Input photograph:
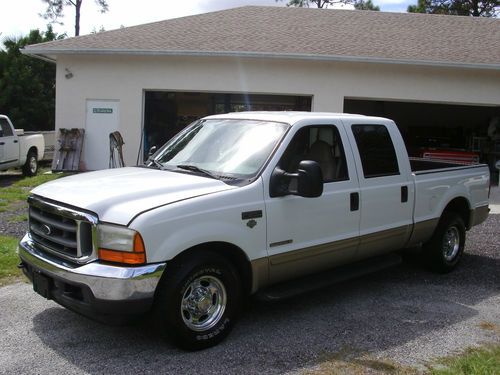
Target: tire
point(198, 300)
point(444, 250)
point(30, 168)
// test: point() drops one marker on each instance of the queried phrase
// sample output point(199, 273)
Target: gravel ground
point(406, 315)
point(9, 221)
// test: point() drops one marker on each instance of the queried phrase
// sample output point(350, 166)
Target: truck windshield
point(222, 147)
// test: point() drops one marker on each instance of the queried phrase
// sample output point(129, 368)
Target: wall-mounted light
point(68, 74)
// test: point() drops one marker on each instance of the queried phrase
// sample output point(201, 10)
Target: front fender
point(168, 231)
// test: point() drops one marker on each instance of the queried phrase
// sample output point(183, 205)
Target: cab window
point(321, 144)
point(5, 129)
point(376, 150)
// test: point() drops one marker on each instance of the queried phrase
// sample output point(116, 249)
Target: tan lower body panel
point(422, 232)
point(312, 259)
point(383, 242)
point(293, 264)
point(478, 215)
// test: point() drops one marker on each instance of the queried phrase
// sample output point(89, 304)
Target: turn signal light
point(136, 256)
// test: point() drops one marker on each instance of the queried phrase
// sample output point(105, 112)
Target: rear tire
point(30, 168)
point(197, 301)
point(444, 250)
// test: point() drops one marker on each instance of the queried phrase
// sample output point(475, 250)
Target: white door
point(103, 117)
point(386, 193)
point(310, 234)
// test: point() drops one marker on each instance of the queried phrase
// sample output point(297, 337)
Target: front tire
point(445, 248)
point(198, 299)
point(30, 167)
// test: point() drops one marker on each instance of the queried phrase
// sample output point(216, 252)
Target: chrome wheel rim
point(451, 243)
point(32, 164)
point(203, 303)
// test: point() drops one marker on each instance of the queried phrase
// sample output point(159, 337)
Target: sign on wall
point(102, 110)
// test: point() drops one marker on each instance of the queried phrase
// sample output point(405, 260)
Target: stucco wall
point(125, 79)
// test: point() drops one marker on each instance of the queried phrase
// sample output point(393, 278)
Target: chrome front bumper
point(100, 284)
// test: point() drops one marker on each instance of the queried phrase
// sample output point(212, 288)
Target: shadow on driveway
point(376, 313)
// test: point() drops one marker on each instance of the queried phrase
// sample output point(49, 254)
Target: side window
point(321, 144)
point(5, 128)
point(376, 150)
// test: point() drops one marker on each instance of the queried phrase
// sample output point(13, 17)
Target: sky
point(18, 17)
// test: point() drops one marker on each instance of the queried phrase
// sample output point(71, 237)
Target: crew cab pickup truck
point(236, 203)
point(19, 150)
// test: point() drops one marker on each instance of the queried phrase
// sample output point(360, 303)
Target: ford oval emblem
point(46, 230)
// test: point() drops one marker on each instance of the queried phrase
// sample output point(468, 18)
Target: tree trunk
point(475, 8)
point(78, 5)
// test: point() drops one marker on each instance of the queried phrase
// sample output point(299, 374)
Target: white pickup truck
point(237, 203)
point(18, 150)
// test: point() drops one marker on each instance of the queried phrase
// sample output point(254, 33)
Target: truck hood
point(118, 195)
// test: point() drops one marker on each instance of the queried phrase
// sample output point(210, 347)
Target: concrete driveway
point(405, 314)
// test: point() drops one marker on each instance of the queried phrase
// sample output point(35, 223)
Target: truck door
point(386, 194)
point(9, 145)
point(310, 234)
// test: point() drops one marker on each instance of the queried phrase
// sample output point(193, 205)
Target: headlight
point(120, 245)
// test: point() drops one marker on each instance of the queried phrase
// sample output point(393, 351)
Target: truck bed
point(420, 165)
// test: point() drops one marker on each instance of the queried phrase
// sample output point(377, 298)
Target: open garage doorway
point(168, 112)
point(457, 128)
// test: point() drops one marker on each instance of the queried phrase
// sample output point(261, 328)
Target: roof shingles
point(296, 32)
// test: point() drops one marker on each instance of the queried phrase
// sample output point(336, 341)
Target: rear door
point(310, 234)
point(9, 145)
point(386, 194)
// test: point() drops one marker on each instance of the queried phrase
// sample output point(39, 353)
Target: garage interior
point(168, 112)
point(431, 126)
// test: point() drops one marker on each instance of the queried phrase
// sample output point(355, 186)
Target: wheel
point(30, 168)
point(197, 301)
point(444, 250)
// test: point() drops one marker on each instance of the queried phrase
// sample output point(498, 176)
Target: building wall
point(125, 78)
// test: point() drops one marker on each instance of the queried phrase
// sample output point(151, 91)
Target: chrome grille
point(62, 231)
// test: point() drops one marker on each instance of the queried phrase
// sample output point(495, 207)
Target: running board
point(333, 276)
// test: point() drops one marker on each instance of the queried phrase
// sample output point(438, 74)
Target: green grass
point(12, 201)
point(18, 219)
point(477, 361)
point(18, 192)
point(8, 260)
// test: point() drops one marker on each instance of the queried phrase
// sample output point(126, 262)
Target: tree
point(316, 3)
point(27, 85)
point(365, 5)
point(475, 8)
point(55, 9)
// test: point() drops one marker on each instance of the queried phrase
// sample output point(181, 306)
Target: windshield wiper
point(194, 168)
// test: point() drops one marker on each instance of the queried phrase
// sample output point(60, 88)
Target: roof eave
point(45, 53)
point(42, 56)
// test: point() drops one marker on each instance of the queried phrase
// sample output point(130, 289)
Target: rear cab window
point(5, 129)
point(376, 150)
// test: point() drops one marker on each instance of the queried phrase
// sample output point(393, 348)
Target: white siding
point(125, 79)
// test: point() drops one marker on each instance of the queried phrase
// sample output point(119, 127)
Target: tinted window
point(376, 150)
point(5, 127)
point(321, 144)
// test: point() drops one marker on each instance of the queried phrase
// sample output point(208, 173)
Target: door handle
point(354, 201)
point(2, 143)
point(404, 194)
point(15, 141)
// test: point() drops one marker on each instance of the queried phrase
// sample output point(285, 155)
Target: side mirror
point(307, 182)
point(152, 151)
point(310, 179)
